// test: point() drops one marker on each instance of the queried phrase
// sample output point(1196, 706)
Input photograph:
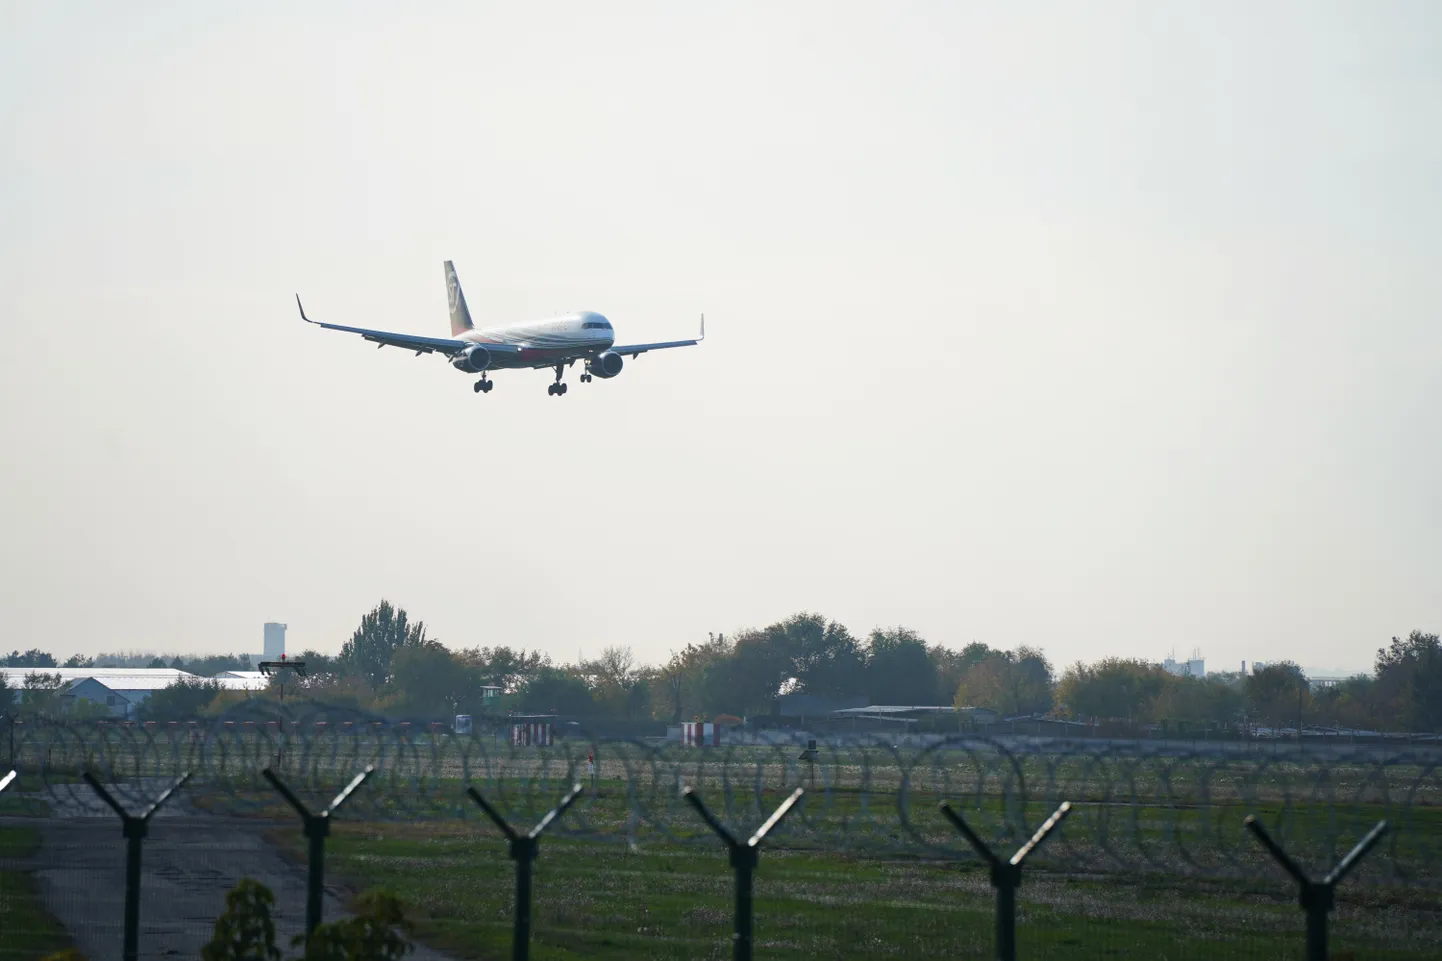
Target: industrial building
point(1196, 667)
point(119, 689)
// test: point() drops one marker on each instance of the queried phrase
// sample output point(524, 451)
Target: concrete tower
point(274, 641)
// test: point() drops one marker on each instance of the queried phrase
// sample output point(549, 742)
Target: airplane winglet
point(302, 310)
point(698, 339)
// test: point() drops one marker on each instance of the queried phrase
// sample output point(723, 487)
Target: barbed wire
point(1139, 806)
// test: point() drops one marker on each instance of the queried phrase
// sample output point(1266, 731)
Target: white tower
point(274, 641)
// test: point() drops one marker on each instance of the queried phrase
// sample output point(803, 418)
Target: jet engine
point(472, 360)
point(604, 365)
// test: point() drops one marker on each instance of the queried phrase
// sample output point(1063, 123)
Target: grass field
point(673, 901)
point(27, 931)
point(1154, 862)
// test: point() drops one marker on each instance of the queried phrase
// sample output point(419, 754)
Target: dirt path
point(190, 860)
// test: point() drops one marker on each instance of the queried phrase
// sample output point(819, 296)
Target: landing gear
point(558, 388)
point(585, 378)
point(484, 386)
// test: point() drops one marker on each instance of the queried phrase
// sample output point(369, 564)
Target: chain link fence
point(648, 848)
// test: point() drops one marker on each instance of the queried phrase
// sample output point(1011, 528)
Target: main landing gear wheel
point(556, 390)
point(484, 386)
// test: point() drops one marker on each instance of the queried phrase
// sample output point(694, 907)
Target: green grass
point(27, 930)
point(596, 900)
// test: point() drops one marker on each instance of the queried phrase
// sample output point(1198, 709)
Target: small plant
point(246, 932)
point(372, 935)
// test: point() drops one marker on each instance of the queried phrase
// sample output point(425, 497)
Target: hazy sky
point(1111, 328)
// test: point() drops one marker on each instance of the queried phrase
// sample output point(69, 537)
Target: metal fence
point(123, 839)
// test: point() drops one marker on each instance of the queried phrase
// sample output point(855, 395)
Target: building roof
point(115, 678)
point(241, 680)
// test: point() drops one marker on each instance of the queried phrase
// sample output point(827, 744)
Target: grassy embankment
point(27, 930)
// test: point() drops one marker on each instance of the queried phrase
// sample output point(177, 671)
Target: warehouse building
point(120, 689)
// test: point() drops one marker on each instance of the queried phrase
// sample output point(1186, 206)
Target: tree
point(825, 659)
point(620, 688)
point(427, 679)
point(31, 658)
point(40, 694)
point(952, 666)
point(687, 682)
point(1009, 682)
point(1409, 681)
point(182, 701)
point(555, 691)
point(383, 632)
point(1353, 703)
point(1278, 694)
point(1114, 687)
point(79, 660)
point(1191, 701)
point(7, 696)
point(213, 664)
point(503, 667)
point(899, 669)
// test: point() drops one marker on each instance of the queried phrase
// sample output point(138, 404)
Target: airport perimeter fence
point(123, 840)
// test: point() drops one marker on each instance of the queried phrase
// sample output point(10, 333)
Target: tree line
point(391, 665)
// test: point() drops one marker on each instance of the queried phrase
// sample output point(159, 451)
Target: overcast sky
point(1111, 328)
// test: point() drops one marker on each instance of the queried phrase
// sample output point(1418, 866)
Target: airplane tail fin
point(460, 314)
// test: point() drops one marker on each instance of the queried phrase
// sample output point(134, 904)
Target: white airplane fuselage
point(576, 336)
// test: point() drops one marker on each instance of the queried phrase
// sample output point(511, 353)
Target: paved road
point(190, 860)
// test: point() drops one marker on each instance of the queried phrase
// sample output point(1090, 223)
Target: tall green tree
point(1409, 681)
point(182, 701)
point(1114, 687)
point(899, 669)
point(1009, 682)
point(1278, 695)
point(687, 684)
point(373, 646)
point(826, 659)
point(1354, 703)
point(31, 658)
point(952, 667)
point(427, 679)
point(504, 667)
point(556, 691)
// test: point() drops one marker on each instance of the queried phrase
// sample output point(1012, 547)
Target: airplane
point(584, 335)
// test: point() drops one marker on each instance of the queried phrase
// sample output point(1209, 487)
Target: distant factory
point(121, 690)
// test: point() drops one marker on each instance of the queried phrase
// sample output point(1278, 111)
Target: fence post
point(744, 859)
point(134, 828)
point(1006, 875)
point(1316, 896)
point(524, 850)
point(317, 827)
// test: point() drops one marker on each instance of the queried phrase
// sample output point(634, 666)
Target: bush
point(246, 932)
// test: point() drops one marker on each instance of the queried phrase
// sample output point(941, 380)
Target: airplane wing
point(633, 350)
point(421, 345)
